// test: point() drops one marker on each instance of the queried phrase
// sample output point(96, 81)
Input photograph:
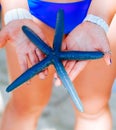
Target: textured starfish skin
point(55, 56)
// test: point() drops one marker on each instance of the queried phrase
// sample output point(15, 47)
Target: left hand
point(85, 37)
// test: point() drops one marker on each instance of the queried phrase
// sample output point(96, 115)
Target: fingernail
point(41, 76)
point(28, 82)
point(110, 61)
point(46, 73)
point(55, 76)
point(57, 83)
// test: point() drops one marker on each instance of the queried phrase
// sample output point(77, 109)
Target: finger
point(57, 82)
point(42, 75)
point(3, 37)
point(23, 62)
point(33, 57)
point(41, 56)
point(24, 65)
point(65, 62)
point(34, 60)
point(107, 51)
point(79, 66)
point(69, 66)
point(107, 57)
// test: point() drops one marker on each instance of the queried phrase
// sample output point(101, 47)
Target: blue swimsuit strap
point(47, 11)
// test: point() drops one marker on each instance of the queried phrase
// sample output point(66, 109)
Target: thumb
point(3, 37)
point(107, 52)
point(107, 57)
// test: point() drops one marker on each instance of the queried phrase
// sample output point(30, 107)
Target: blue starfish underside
point(55, 56)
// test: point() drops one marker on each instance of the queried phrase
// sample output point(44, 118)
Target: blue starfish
point(55, 56)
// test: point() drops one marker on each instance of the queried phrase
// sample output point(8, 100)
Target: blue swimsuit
point(74, 12)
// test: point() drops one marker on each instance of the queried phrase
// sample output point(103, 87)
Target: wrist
point(15, 14)
point(97, 20)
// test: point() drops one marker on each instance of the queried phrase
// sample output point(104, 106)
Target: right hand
point(25, 49)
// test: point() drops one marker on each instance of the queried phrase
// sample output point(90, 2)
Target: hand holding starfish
point(54, 56)
point(25, 50)
point(85, 37)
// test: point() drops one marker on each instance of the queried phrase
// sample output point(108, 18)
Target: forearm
point(104, 9)
point(13, 4)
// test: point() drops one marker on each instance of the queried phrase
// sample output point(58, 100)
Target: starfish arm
point(80, 55)
point(59, 31)
point(29, 74)
point(67, 83)
point(36, 40)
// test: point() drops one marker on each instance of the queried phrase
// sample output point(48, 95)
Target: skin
point(94, 95)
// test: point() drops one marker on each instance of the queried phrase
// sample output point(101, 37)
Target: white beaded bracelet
point(16, 14)
point(97, 20)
